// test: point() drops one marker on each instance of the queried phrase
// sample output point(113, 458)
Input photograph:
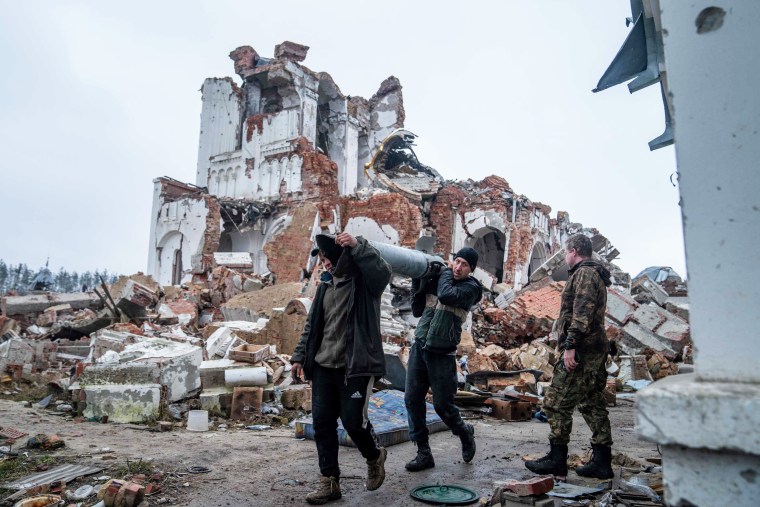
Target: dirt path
point(271, 468)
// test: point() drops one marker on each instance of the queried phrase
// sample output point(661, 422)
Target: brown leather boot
point(376, 471)
point(327, 491)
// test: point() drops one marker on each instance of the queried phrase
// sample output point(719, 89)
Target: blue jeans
point(334, 396)
point(424, 370)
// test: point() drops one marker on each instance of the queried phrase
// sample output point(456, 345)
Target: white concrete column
point(709, 423)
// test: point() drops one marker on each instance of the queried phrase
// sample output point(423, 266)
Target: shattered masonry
point(286, 155)
point(224, 298)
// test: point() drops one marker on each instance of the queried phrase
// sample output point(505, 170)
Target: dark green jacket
point(584, 301)
point(370, 274)
point(440, 326)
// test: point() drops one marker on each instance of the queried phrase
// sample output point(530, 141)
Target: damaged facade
point(286, 155)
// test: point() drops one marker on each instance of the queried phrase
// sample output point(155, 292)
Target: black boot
point(554, 463)
point(468, 443)
point(423, 460)
point(600, 466)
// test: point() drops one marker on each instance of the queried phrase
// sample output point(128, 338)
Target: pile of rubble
point(135, 352)
point(138, 352)
point(514, 347)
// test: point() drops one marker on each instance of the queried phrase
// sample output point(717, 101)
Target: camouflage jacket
point(584, 301)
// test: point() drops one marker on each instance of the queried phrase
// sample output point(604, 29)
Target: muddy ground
point(272, 468)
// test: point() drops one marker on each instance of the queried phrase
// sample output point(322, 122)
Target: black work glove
point(418, 300)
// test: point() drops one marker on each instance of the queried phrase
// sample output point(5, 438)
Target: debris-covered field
point(158, 393)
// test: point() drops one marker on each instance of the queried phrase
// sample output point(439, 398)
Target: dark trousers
point(334, 396)
point(425, 370)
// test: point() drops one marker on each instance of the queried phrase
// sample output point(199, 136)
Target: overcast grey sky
point(99, 98)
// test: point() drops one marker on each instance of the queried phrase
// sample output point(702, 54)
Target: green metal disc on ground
point(443, 494)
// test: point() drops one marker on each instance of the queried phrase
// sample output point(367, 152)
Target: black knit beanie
point(329, 248)
point(470, 255)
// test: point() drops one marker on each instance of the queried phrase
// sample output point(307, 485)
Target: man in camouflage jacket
point(579, 376)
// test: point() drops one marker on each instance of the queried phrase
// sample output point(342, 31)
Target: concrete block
point(644, 285)
point(296, 397)
point(246, 402)
point(682, 410)
point(221, 342)
point(678, 306)
point(704, 477)
point(620, 307)
point(178, 363)
point(35, 303)
point(235, 260)
point(123, 403)
point(505, 298)
point(217, 400)
point(108, 339)
point(510, 410)
point(635, 338)
point(633, 368)
point(122, 374)
point(530, 487)
point(135, 298)
point(15, 351)
point(648, 316)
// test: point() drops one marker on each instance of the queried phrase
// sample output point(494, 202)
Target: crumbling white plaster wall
point(708, 424)
point(372, 231)
point(344, 151)
point(221, 120)
point(269, 167)
point(253, 238)
point(177, 225)
point(468, 232)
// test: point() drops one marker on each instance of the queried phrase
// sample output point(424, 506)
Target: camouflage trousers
point(582, 388)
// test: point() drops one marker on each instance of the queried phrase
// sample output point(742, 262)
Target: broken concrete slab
point(119, 374)
point(633, 368)
point(239, 261)
point(670, 329)
point(180, 312)
point(620, 307)
point(636, 338)
point(678, 306)
point(108, 339)
point(644, 290)
point(221, 342)
point(123, 403)
point(178, 364)
point(217, 400)
point(36, 303)
point(15, 351)
point(135, 298)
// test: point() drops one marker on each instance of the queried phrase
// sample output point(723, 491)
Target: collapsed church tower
point(285, 155)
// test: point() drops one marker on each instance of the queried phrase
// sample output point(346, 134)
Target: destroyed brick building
point(283, 157)
point(286, 155)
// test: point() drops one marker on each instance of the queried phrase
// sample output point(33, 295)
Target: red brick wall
point(389, 209)
point(288, 251)
point(441, 216)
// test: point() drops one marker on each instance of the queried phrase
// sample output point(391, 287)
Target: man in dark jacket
point(442, 308)
point(580, 375)
point(341, 352)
